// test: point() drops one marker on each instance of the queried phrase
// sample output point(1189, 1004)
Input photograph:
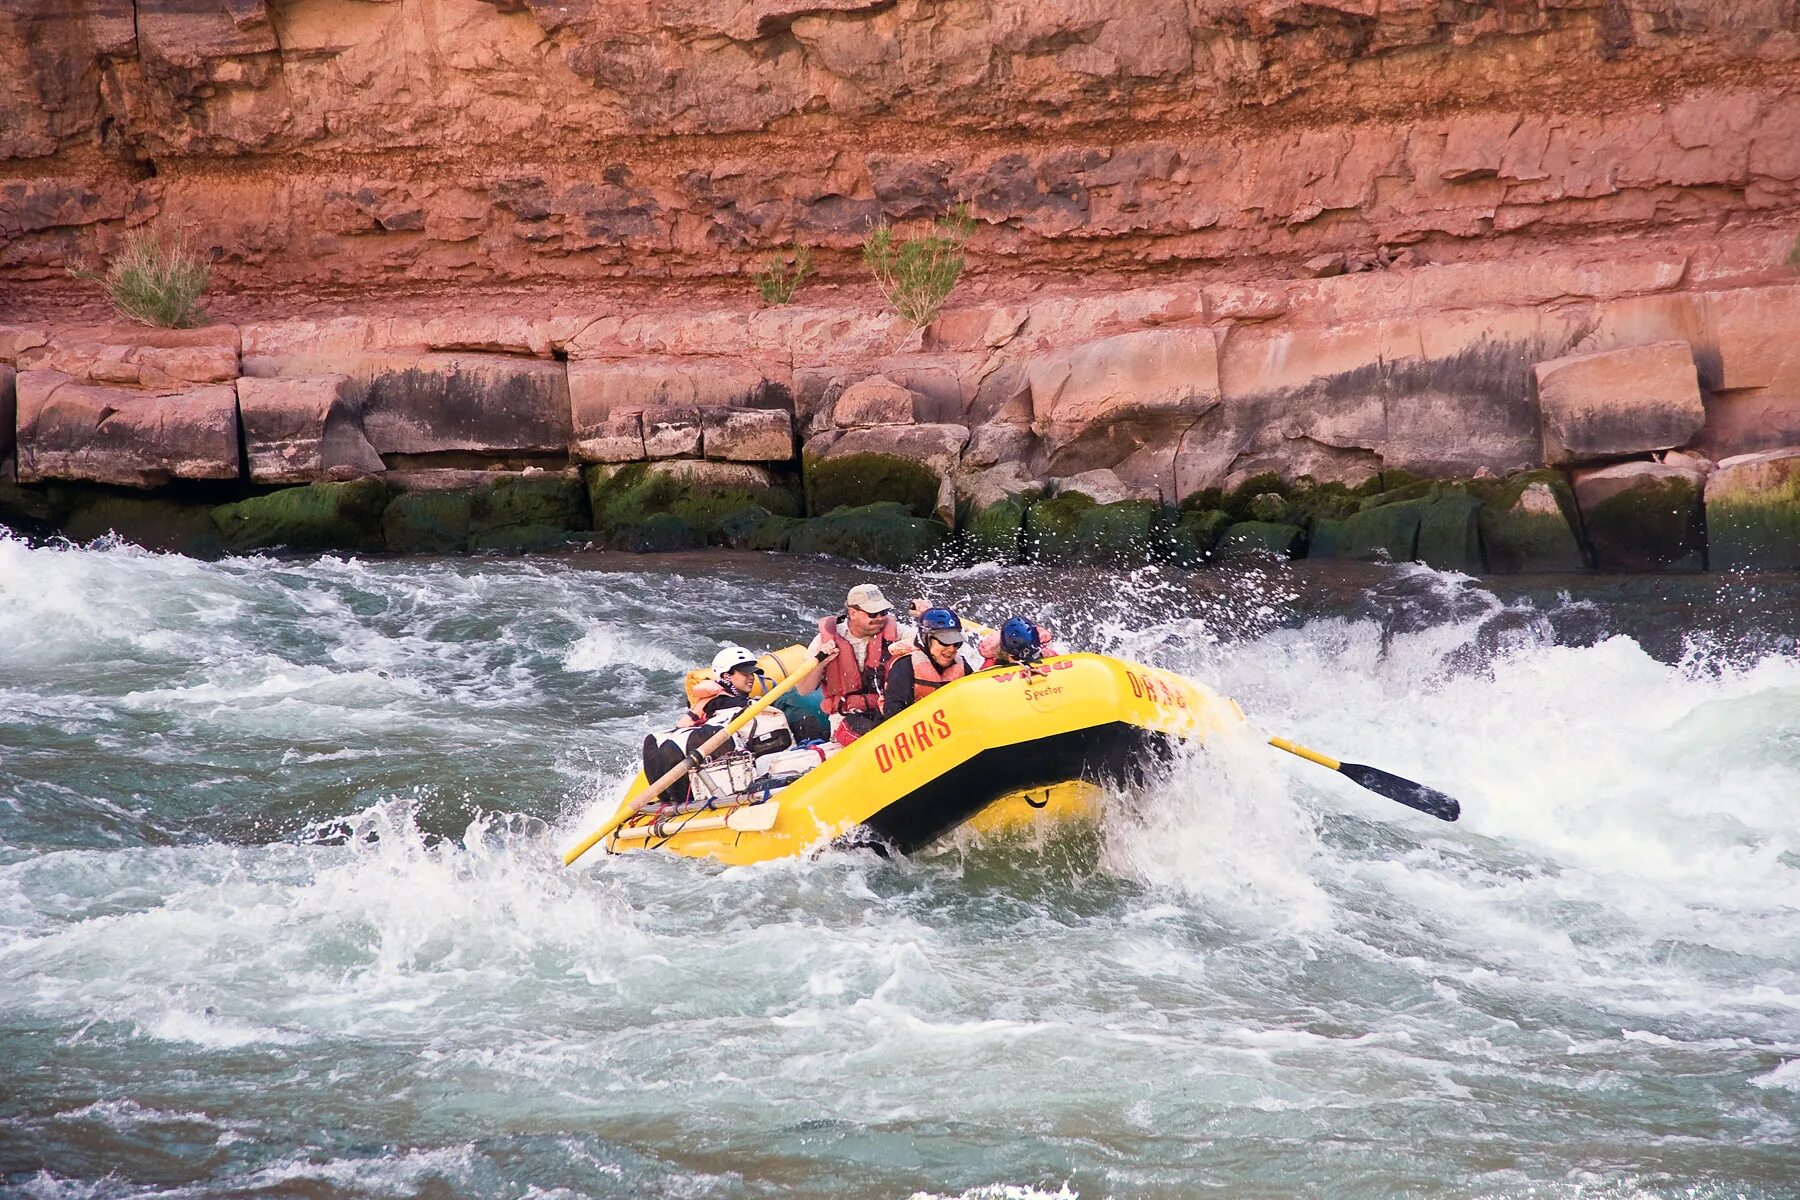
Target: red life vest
point(928, 677)
point(851, 686)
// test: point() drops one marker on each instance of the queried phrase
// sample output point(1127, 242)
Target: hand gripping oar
point(641, 801)
point(1382, 783)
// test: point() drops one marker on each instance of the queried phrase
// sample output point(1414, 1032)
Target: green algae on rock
point(1753, 512)
point(854, 480)
point(887, 534)
point(1528, 523)
point(315, 516)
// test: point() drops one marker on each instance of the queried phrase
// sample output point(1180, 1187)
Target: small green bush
point(782, 273)
point(917, 273)
point(154, 281)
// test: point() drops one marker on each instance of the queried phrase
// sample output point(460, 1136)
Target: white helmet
point(731, 658)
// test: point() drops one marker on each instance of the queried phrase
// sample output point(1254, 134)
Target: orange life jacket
point(928, 677)
point(851, 686)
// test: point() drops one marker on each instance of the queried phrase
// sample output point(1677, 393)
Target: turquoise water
point(281, 913)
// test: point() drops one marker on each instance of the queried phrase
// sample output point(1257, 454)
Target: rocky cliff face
point(371, 145)
point(1215, 240)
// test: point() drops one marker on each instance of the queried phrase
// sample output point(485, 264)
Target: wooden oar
point(641, 801)
point(1383, 783)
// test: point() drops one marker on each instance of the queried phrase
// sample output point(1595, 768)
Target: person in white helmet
point(734, 668)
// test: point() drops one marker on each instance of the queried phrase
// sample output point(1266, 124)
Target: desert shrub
point(918, 272)
point(155, 280)
point(782, 273)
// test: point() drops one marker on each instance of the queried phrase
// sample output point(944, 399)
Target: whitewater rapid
point(280, 909)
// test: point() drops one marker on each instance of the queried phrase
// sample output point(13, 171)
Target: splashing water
point(280, 911)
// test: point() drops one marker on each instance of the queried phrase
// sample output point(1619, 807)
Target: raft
point(995, 750)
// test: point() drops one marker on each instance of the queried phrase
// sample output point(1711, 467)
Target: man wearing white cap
point(857, 644)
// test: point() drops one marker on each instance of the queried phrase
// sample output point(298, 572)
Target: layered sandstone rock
point(434, 141)
point(71, 430)
point(1618, 402)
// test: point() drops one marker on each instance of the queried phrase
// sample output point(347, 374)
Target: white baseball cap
point(868, 597)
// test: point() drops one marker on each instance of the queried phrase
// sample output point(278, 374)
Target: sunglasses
point(948, 637)
point(877, 615)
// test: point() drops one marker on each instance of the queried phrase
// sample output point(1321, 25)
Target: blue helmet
point(1019, 639)
point(941, 625)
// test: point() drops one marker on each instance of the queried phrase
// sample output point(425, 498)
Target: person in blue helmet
point(1018, 643)
point(942, 654)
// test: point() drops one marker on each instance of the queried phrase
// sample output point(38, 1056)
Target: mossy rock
point(1416, 489)
point(1202, 500)
point(1528, 523)
point(855, 480)
point(886, 534)
point(1237, 501)
point(435, 522)
point(153, 522)
point(1270, 506)
point(1450, 533)
point(1753, 524)
point(32, 511)
point(1271, 536)
point(1310, 503)
point(997, 532)
point(1653, 525)
point(624, 499)
point(774, 532)
point(662, 532)
point(1119, 534)
point(316, 516)
point(523, 501)
point(1390, 531)
point(1051, 527)
point(1196, 534)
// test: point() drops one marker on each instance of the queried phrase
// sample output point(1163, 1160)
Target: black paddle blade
point(1413, 795)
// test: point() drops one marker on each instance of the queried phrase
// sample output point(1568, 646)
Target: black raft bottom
point(1116, 754)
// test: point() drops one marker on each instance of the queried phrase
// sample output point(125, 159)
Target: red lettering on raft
point(902, 746)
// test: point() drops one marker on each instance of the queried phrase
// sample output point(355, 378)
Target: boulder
point(977, 491)
point(1052, 527)
point(1617, 402)
point(1528, 522)
point(682, 504)
point(532, 510)
point(1197, 533)
point(428, 521)
point(1450, 533)
point(887, 534)
point(69, 430)
point(140, 356)
point(1643, 516)
point(997, 444)
point(876, 400)
point(484, 403)
point(1119, 534)
point(1380, 532)
point(618, 438)
point(747, 434)
point(597, 389)
point(1102, 486)
point(153, 522)
point(914, 465)
point(1270, 537)
point(1753, 512)
point(671, 432)
point(1096, 404)
point(298, 429)
point(316, 516)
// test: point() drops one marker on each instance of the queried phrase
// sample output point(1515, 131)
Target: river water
point(281, 913)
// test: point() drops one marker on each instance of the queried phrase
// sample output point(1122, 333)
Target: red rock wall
point(363, 147)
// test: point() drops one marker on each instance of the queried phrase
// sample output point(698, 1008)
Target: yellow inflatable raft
point(996, 749)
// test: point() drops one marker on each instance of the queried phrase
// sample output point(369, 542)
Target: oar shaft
point(1324, 760)
point(639, 802)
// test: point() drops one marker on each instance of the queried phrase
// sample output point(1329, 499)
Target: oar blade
point(1404, 791)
